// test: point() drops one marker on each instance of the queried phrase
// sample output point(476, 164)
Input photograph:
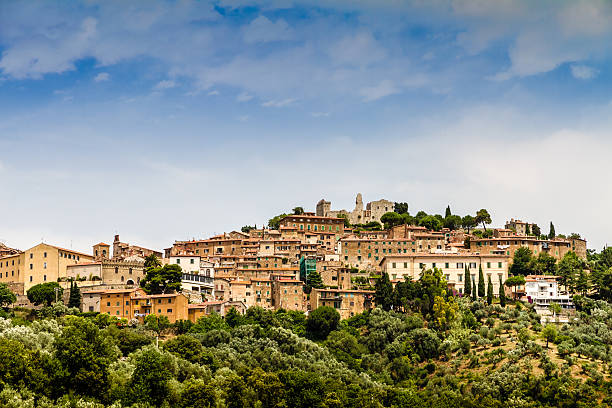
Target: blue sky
point(172, 120)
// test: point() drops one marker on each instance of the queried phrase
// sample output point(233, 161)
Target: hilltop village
point(301, 261)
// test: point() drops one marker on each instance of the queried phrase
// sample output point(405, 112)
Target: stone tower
point(323, 208)
point(358, 204)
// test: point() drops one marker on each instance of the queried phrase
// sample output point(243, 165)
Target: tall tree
point(528, 229)
point(536, 230)
point(544, 264)
point(400, 208)
point(75, 295)
point(314, 280)
point(502, 293)
point(447, 213)
point(452, 222)
point(431, 222)
point(467, 285)
point(481, 283)
point(513, 282)
point(474, 291)
point(298, 211)
point(483, 216)
point(489, 291)
point(165, 279)
point(468, 222)
point(552, 234)
point(522, 262)
point(391, 219)
point(383, 295)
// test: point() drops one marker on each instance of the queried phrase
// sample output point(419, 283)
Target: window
point(44, 254)
point(31, 266)
point(460, 277)
point(169, 311)
point(393, 265)
point(446, 265)
point(499, 264)
point(45, 278)
point(405, 265)
point(488, 265)
point(30, 278)
point(178, 261)
point(460, 265)
point(127, 302)
point(31, 256)
point(45, 265)
point(118, 303)
point(107, 303)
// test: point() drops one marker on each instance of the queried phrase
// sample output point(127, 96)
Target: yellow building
point(39, 264)
point(135, 303)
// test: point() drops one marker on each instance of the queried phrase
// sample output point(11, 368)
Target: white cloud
point(213, 93)
point(102, 76)
point(165, 84)
point(319, 114)
point(382, 89)
point(262, 29)
point(244, 97)
point(278, 103)
point(583, 72)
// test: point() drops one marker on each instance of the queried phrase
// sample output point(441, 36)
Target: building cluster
point(270, 267)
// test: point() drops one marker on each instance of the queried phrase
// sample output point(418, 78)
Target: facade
point(322, 231)
point(288, 294)
point(367, 253)
point(542, 291)
point(400, 267)
point(518, 227)
point(136, 304)
point(39, 264)
point(373, 211)
point(507, 245)
point(347, 302)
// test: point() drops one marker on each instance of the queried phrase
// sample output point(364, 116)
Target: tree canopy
point(165, 279)
point(45, 293)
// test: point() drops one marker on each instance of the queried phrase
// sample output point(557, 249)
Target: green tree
point(544, 264)
point(550, 333)
point(447, 213)
point(431, 222)
point(322, 321)
point(555, 308)
point(489, 291)
point(514, 281)
point(157, 323)
point(233, 318)
point(528, 229)
point(400, 208)
point(468, 284)
point(85, 356)
point(481, 283)
point(569, 268)
point(160, 280)
point(247, 228)
point(198, 393)
point(502, 293)
point(522, 262)
point(6, 296)
point(274, 222)
point(186, 347)
point(474, 291)
point(582, 283)
point(535, 230)
point(44, 293)
point(75, 296)
point(483, 216)
point(452, 222)
point(314, 280)
point(552, 234)
point(149, 383)
point(298, 211)
point(391, 219)
point(151, 261)
point(383, 295)
point(468, 222)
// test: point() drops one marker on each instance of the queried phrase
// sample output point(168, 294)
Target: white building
point(543, 290)
point(198, 274)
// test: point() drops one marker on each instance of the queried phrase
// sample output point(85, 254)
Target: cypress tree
point(489, 291)
point(383, 295)
point(448, 212)
point(474, 293)
point(552, 234)
point(502, 293)
point(481, 283)
point(75, 295)
point(467, 284)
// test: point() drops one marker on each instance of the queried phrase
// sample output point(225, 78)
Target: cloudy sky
point(173, 120)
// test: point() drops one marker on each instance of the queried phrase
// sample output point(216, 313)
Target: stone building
point(372, 212)
point(6, 251)
point(347, 302)
point(39, 264)
point(288, 294)
point(136, 304)
point(507, 245)
point(123, 250)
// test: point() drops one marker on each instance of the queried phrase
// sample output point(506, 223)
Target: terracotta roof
point(102, 244)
